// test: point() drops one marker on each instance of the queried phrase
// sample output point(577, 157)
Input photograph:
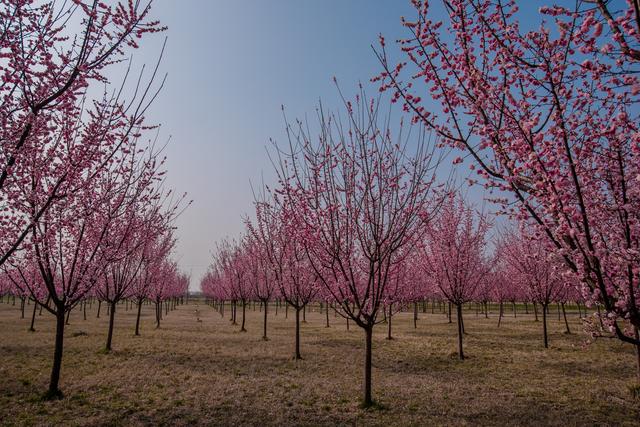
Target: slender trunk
point(515, 313)
point(415, 315)
point(389, 337)
point(500, 310)
point(544, 325)
point(112, 315)
point(566, 323)
point(579, 310)
point(264, 326)
point(244, 312)
point(54, 391)
point(304, 314)
point(297, 355)
point(486, 310)
point(22, 304)
point(449, 315)
point(460, 331)
point(286, 310)
point(68, 314)
point(158, 311)
point(535, 310)
point(33, 317)
point(637, 337)
point(326, 311)
point(558, 310)
point(138, 317)
point(526, 308)
point(99, 305)
point(367, 401)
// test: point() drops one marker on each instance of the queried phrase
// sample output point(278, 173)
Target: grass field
point(189, 372)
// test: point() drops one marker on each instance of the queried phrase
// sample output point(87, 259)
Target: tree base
point(53, 395)
point(372, 406)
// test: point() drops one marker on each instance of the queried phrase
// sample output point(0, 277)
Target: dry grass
point(207, 372)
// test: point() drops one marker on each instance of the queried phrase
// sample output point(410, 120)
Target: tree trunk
point(566, 323)
point(326, 311)
point(33, 317)
point(264, 327)
point(54, 391)
point(389, 337)
point(367, 401)
point(22, 303)
point(544, 325)
point(304, 314)
point(158, 311)
point(449, 314)
point(637, 336)
point(138, 317)
point(535, 310)
point(500, 310)
point(112, 315)
point(297, 355)
point(244, 312)
point(460, 331)
point(99, 305)
point(415, 315)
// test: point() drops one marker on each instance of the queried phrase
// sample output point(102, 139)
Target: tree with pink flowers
point(549, 117)
point(154, 254)
point(455, 255)
point(282, 243)
point(357, 196)
point(533, 266)
point(259, 272)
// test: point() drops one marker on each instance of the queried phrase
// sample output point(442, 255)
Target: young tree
point(283, 243)
point(455, 255)
point(357, 196)
point(535, 268)
point(259, 272)
point(154, 253)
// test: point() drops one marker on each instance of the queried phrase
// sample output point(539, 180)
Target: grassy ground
point(191, 372)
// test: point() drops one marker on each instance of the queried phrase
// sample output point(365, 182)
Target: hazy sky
point(231, 65)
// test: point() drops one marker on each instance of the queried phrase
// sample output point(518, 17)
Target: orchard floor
point(208, 373)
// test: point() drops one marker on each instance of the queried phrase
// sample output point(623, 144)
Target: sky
point(231, 65)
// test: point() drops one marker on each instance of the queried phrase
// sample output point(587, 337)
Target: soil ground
point(206, 372)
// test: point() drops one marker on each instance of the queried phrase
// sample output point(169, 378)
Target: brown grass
point(207, 372)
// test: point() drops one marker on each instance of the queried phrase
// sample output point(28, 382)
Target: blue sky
point(231, 65)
